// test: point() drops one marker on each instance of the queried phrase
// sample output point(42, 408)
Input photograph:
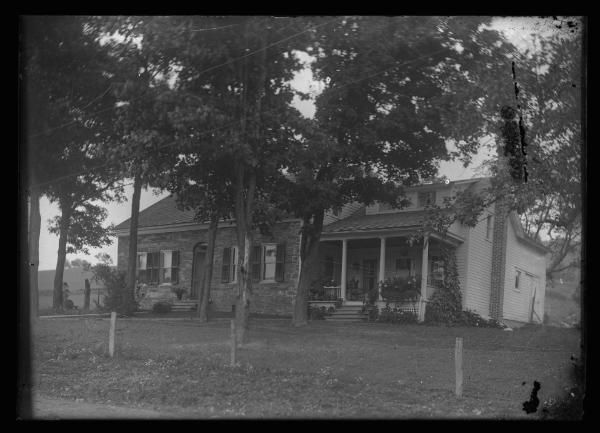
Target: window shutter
point(175, 267)
point(155, 267)
point(226, 264)
point(280, 264)
point(255, 261)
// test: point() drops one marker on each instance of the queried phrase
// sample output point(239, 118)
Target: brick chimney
point(500, 233)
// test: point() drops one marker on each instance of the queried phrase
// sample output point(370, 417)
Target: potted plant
point(179, 291)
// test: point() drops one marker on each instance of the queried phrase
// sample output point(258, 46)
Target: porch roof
point(383, 221)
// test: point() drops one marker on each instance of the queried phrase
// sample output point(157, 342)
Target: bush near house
point(115, 283)
point(161, 307)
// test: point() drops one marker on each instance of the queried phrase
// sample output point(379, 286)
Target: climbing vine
point(446, 302)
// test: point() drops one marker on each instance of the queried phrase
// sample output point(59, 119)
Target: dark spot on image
point(532, 404)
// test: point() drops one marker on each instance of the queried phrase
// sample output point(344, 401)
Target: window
point(141, 267)
point(169, 266)
point(229, 268)
point(158, 267)
point(437, 270)
point(426, 198)
point(518, 281)
point(152, 267)
point(488, 228)
point(404, 264)
point(267, 262)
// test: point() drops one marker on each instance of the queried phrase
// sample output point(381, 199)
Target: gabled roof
point(163, 212)
point(522, 236)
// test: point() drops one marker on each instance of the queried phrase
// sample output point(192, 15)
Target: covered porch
point(354, 266)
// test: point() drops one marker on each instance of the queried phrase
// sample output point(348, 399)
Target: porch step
point(183, 306)
point(347, 313)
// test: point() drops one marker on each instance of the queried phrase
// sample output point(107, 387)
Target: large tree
point(397, 91)
point(66, 95)
point(142, 141)
point(236, 71)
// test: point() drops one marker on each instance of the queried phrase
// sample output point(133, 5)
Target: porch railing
point(326, 293)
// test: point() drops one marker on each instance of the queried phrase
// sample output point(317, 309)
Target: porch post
point(424, 272)
point(344, 268)
point(381, 265)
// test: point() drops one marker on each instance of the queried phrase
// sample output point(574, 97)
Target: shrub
point(471, 318)
point(161, 307)
point(179, 291)
point(115, 284)
point(396, 315)
point(317, 313)
point(446, 302)
point(372, 312)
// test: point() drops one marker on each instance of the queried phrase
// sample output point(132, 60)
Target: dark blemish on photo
point(532, 404)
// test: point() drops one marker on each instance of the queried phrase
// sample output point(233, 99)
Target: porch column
point(424, 272)
point(381, 265)
point(344, 268)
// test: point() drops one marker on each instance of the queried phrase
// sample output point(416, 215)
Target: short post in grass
point(458, 357)
point(233, 343)
point(111, 335)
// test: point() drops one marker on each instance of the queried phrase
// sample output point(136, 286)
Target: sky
point(516, 29)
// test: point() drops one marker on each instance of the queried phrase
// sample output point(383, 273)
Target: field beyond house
point(327, 370)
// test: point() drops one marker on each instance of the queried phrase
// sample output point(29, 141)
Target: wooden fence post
point(233, 343)
point(458, 357)
point(111, 335)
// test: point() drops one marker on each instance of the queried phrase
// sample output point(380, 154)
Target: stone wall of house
point(266, 297)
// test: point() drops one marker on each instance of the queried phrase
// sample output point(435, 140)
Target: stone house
point(501, 271)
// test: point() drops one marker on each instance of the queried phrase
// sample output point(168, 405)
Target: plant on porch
point(399, 289)
point(324, 289)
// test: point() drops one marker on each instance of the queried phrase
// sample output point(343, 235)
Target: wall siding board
point(477, 257)
point(519, 256)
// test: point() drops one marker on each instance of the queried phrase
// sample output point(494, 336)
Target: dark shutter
point(175, 267)
point(226, 265)
point(154, 258)
point(280, 264)
point(255, 261)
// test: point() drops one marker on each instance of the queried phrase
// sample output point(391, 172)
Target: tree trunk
point(208, 269)
point(245, 188)
point(309, 269)
point(57, 301)
point(133, 230)
point(243, 216)
point(35, 222)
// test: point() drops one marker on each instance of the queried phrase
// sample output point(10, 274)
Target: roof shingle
point(162, 212)
point(377, 221)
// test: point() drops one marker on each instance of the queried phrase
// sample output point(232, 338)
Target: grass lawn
point(327, 370)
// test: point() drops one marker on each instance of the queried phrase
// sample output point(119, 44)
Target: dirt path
point(53, 408)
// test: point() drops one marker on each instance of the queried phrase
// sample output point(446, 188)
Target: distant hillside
point(74, 277)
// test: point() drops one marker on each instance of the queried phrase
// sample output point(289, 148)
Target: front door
point(369, 282)
point(198, 270)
